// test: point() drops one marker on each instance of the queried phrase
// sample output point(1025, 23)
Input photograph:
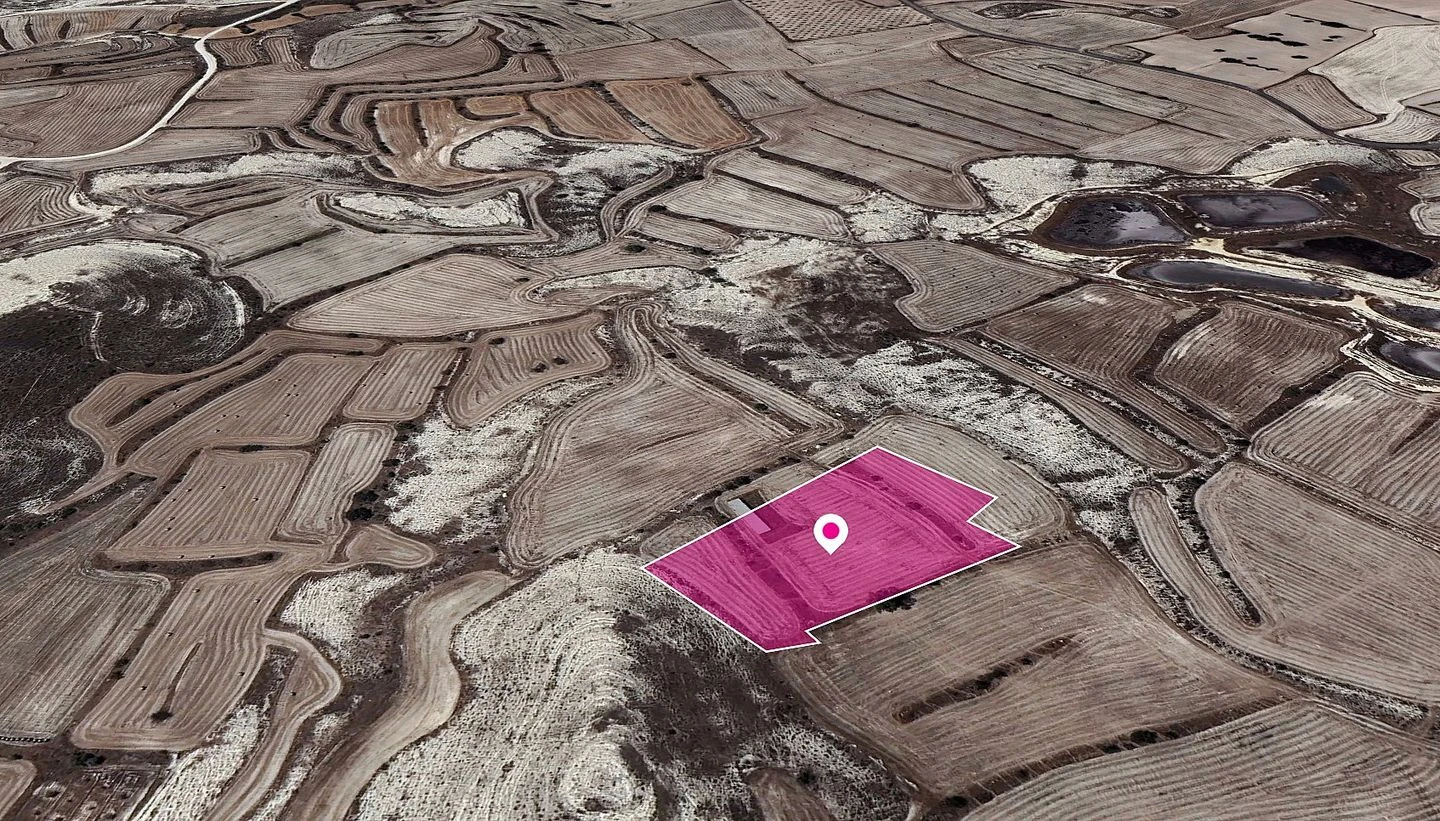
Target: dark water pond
point(1192, 273)
point(1421, 360)
point(1357, 252)
point(1111, 222)
point(1251, 210)
point(1413, 315)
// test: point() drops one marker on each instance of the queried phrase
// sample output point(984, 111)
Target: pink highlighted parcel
point(766, 577)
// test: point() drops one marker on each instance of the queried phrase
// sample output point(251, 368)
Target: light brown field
point(402, 383)
point(69, 622)
point(734, 202)
point(1301, 760)
point(90, 114)
point(427, 697)
point(688, 232)
point(286, 407)
point(814, 19)
point(226, 506)
point(1025, 507)
point(127, 404)
point(244, 219)
point(903, 108)
point(1238, 363)
point(582, 112)
point(614, 256)
point(348, 463)
point(503, 367)
point(624, 455)
point(1100, 333)
point(197, 662)
point(1114, 427)
point(682, 110)
point(1353, 604)
point(1027, 662)
point(795, 179)
point(853, 143)
point(39, 203)
point(377, 544)
point(958, 285)
point(310, 685)
point(290, 272)
point(1387, 74)
point(660, 59)
point(1321, 101)
point(351, 45)
point(1193, 128)
point(1333, 443)
point(446, 295)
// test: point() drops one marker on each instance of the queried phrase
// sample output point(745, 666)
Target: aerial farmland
point(369, 365)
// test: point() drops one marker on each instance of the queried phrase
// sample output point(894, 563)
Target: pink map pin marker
point(831, 532)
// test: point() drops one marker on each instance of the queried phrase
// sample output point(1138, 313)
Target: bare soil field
point(442, 296)
point(73, 622)
point(734, 202)
point(197, 662)
point(287, 406)
point(227, 505)
point(349, 462)
point(1059, 635)
point(402, 384)
point(682, 110)
point(1268, 764)
point(1333, 444)
point(1358, 617)
point(1100, 334)
point(571, 499)
point(1241, 361)
point(127, 404)
point(958, 285)
point(503, 367)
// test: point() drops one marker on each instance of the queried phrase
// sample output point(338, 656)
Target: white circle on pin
point(831, 532)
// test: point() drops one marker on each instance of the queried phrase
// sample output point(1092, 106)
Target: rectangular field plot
point(1297, 760)
point(1333, 442)
point(957, 285)
point(1240, 362)
point(227, 505)
point(1036, 658)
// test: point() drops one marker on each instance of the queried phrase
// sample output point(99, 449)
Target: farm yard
point(359, 355)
